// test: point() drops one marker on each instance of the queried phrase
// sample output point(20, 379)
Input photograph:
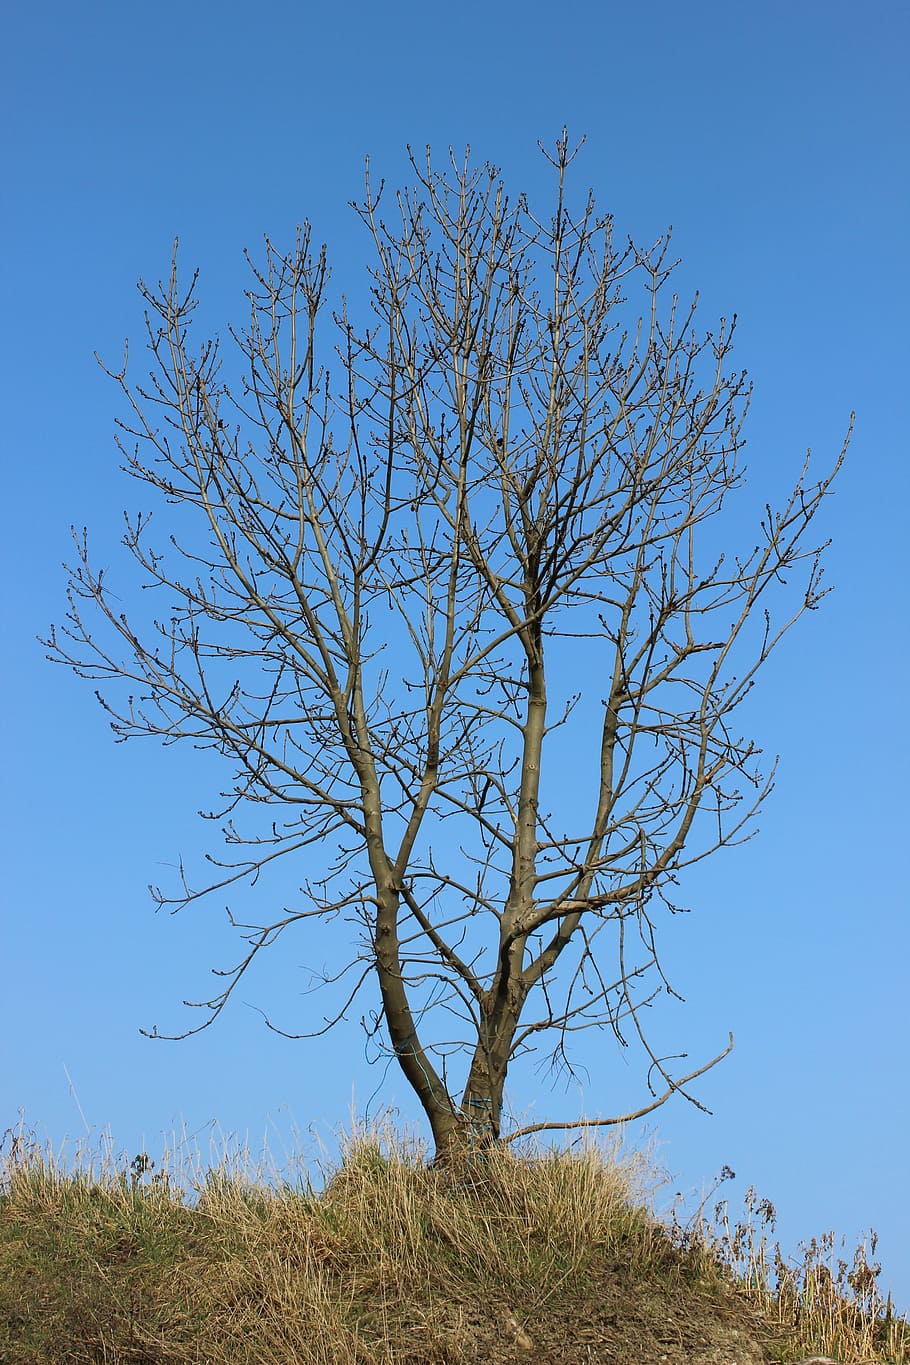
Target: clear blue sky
point(774, 137)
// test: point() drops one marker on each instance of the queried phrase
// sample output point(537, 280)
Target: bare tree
point(407, 560)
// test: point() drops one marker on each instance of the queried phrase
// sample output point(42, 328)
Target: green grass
point(541, 1257)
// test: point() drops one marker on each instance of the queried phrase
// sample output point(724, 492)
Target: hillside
point(545, 1257)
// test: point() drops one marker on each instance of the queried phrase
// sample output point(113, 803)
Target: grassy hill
point(537, 1256)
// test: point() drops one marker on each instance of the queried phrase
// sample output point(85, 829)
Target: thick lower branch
point(674, 1088)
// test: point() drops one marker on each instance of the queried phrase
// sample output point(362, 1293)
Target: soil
point(611, 1320)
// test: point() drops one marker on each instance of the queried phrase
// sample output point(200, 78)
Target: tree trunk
point(462, 1144)
point(463, 1137)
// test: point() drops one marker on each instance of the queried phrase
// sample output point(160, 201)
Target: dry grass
point(540, 1257)
point(829, 1300)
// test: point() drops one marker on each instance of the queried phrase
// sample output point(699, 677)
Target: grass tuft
point(829, 1300)
point(538, 1256)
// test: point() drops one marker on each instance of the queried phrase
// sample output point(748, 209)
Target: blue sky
point(773, 137)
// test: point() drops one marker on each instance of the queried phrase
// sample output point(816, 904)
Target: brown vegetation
point(551, 1257)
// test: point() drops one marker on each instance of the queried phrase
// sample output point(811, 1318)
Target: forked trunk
point(460, 1146)
point(462, 1137)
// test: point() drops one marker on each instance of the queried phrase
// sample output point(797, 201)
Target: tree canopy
point(413, 552)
